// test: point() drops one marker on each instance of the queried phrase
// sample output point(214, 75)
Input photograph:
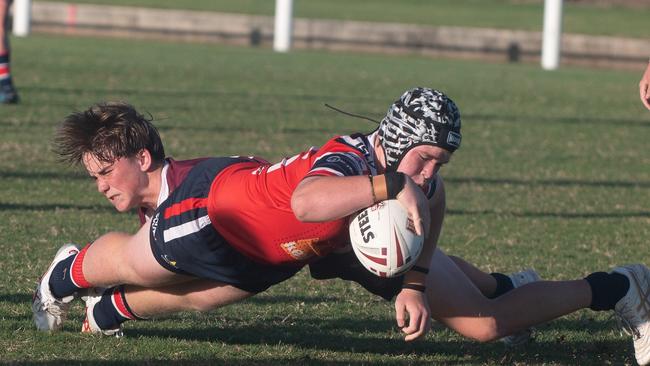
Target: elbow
point(299, 206)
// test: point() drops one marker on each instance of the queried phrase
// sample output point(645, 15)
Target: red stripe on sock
point(184, 206)
point(120, 304)
point(4, 70)
point(76, 272)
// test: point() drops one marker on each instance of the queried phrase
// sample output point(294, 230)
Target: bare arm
point(411, 302)
point(437, 206)
point(325, 198)
point(644, 87)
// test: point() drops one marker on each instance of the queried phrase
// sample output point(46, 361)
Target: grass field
point(553, 173)
point(508, 14)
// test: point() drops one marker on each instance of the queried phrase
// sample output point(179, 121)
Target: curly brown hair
point(108, 131)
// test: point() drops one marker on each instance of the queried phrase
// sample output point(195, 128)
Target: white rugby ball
point(383, 238)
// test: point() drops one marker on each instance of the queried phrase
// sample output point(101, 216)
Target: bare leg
point(4, 16)
point(199, 295)
point(204, 295)
point(485, 283)
point(456, 302)
point(118, 258)
point(453, 298)
point(150, 290)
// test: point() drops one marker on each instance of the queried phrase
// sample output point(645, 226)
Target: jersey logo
point(169, 261)
point(154, 224)
point(301, 250)
point(340, 163)
point(453, 139)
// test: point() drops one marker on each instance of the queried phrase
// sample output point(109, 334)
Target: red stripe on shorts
point(184, 206)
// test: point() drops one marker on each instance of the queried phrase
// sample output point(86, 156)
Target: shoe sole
point(45, 278)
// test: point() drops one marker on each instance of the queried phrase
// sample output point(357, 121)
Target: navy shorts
point(184, 241)
point(346, 266)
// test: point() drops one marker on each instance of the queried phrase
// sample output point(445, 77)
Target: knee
point(483, 329)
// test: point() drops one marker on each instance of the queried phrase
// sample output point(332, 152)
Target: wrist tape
point(388, 186)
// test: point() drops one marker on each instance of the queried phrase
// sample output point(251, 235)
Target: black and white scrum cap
point(421, 116)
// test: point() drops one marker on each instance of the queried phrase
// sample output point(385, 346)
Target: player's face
point(120, 181)
point(423, 162)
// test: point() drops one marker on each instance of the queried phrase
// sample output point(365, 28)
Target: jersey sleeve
point(337, 158)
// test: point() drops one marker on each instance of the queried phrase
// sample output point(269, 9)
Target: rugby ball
point(384, 240)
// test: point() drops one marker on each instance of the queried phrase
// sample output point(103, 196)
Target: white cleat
point(633, 310)
point(519, 279)
point(92, 297)
point(48, 311)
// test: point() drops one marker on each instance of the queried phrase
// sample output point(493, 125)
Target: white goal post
point(22, 11)
point(552, 34)
point(283, 25)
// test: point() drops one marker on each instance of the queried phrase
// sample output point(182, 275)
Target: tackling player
point(205, 214)
point(143, 178)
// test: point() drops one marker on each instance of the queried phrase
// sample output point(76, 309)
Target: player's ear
point(144, 159)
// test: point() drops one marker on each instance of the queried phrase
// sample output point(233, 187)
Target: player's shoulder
point(355, 143)
point(344, 155)
point(180, 164)
point(177, 170)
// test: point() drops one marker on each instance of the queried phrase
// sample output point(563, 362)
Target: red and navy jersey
point(174, 172)
point(250, 203)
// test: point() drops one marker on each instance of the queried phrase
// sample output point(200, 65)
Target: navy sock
point(504, 284)
point(607, 289)
point(113, 310)
point(61, 284)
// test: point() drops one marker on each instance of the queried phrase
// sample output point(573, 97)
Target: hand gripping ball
point(384, 240)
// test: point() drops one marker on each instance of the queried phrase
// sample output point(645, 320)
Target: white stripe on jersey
point(186, 228)
point(276, 166)
point(323, 169)
point(309, 152)
point(286, 161)
point(349, 140)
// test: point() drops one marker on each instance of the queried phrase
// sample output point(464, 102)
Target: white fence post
point(22, 17)
point(283, 20)
point(552, 34)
